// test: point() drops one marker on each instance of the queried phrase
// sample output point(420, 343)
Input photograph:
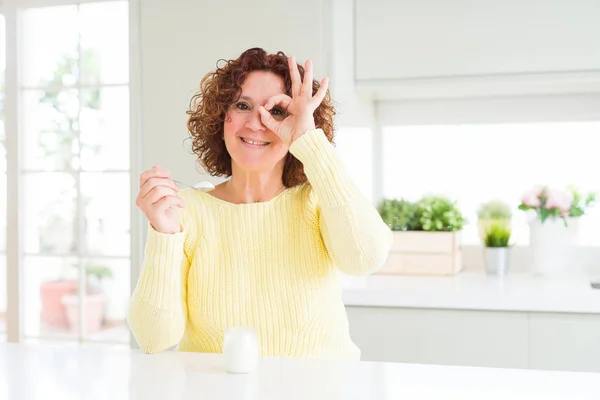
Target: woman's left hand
point(299, 108)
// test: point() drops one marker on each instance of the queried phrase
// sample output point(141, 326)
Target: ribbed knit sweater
point(273, 266)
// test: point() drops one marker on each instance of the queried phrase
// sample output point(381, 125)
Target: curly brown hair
point(221, 88)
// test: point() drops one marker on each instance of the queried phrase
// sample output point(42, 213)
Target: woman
point(265, 248)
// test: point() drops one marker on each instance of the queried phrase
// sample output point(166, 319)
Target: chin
point(255, 164)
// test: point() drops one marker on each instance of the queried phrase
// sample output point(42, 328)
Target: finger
point(321, 93)
point(307, 82)
point(147, 174)
point(281, 99)
point(268, 120)
point(295, 76)
point(154, 182)
point(157, 193)
point(154, 172)
point(167, 202)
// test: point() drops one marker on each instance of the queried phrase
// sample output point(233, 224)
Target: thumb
point(268, 120)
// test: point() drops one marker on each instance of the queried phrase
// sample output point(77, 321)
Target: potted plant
point(497, 247)
point(427, 236)
point(548, 236)
point(579, 201)
point(439, 214)
point(493, 211)
point(53, 313)
point(579, 204)
point(95, 300)
point(399, 214)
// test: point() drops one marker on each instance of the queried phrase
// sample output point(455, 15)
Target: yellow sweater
point(273, 266)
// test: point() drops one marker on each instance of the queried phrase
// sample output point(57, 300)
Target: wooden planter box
point(424, 253)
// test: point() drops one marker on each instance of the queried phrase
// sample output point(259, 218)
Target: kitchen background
point(470, 102)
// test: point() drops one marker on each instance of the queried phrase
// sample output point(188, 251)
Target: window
point(3, 188)
point(75, 171)
point(475, 163)
point(355, 148)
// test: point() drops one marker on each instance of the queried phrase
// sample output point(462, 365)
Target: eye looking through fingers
point(278, 112)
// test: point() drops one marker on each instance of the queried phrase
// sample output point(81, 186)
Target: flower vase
point(548, 244)
point(573, 229)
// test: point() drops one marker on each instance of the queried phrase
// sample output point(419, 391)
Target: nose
point(254, 122)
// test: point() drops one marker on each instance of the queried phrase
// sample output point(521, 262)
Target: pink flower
point(557, 199)
point(532, 197)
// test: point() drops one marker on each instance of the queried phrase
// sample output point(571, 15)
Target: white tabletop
point(475, 291)
point(72, 372)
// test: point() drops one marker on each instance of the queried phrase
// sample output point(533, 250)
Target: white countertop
point(70, 372)
point(475, 291)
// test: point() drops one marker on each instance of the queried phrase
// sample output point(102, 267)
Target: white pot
point(548, 244)
point(573, 229)
point(497, 260)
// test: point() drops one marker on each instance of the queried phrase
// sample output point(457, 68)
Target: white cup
point(240, 348)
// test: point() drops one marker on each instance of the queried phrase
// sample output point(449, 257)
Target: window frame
point(12, 10)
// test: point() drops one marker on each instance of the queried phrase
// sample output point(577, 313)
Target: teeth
point(254, 142)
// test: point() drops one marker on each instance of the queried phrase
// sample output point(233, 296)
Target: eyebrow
point(246, 98)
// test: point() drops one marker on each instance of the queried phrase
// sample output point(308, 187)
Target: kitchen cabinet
point(564, 341)
point(479, 338)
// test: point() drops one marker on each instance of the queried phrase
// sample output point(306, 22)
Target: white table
point(72, 372)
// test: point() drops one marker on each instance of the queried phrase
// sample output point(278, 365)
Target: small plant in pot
point(427, 236)
point(439, 214)
point(399, 214)
point(95, 301)
point(548, 210)
point(494, 211)
point(497, 247)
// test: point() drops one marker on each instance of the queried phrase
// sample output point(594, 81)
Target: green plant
point(497, 234)
point(95, 273)
point(579, 202)
point(494, 209)
point(99, 272)
point(440, 214)
point(399, 215)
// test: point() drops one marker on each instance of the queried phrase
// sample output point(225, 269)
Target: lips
point(254, 142)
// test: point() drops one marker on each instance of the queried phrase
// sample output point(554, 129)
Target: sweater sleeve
point(158, 306)
point(354, 234)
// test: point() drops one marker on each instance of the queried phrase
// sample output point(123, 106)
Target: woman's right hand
point(159, 201)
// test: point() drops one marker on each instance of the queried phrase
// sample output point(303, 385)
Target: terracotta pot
point(95, 307)
point(51, 294)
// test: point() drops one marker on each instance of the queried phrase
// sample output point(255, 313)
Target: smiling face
point(251, 145)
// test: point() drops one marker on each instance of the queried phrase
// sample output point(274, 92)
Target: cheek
point(233, 123)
